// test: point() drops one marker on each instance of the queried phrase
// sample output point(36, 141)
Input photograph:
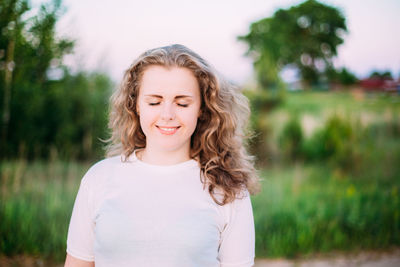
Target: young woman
point(175, 188)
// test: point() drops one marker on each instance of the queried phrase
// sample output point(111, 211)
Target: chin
point(168, 147)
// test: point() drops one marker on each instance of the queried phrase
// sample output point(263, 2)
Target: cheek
point(146, 118)
point(142, 125)
point(190, 118)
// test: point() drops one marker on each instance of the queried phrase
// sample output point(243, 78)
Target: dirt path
point(363, 259)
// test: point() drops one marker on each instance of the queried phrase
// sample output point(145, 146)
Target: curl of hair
point(218, 142)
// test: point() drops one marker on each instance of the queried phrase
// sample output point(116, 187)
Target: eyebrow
point(176, 97)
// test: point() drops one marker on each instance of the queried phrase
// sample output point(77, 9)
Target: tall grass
point(303, 208)
point(337, 189)
point(35, 206)
point(310, 208)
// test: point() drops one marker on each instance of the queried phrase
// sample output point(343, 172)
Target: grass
point(345, 203)
point(308, 208)
point(316, 103)
point(302, 209)
point(35, 206)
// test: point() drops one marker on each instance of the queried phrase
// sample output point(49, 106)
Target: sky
point(110, 34)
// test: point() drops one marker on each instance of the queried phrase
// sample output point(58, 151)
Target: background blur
point(322, 78)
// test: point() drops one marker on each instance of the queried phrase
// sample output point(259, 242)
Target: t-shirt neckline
point(178, 166)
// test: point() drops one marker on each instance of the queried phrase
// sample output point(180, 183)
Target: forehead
point(159, 80)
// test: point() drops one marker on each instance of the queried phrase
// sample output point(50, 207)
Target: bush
point(291, 139)
point(261, 102)
point(335, 142)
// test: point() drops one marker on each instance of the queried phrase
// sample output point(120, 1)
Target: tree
point(11, 25)
point(384, 75)
point(30, 47)
point(39, 114)
point(341, 76)
point(306, 36)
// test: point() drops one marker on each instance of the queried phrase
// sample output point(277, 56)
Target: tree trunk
point(9, 67)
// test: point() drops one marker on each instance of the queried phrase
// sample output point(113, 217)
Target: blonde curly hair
point(219, 138)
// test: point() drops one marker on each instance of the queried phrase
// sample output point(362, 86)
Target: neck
point(157, 157)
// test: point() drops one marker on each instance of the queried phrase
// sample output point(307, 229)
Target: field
point(312, 201)
point(331, 176)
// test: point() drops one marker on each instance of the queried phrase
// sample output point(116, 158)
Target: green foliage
point(68, 118)
point(383, 129)
point(36, 201)
point(308, 209)
point(306, 36)
point(344, 192)
point(80, 122)
point(36, 47)
point(381, 75)
point(333, 142)
point(44, 115)
point(342, 76)
point(380, 152)
point(261, 102)
point(291, 139)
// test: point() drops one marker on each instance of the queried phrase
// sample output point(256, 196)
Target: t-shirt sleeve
point(80, 238)
point(238, 237)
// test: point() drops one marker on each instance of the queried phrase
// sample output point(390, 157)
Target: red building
point(380, 84)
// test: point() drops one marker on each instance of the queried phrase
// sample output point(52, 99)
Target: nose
point(168, 112)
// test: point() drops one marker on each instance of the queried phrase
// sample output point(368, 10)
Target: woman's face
point(168, 106)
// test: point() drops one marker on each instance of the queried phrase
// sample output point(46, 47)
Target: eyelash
point(181, 105)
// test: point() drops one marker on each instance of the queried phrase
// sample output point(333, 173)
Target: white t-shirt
point(137, 214)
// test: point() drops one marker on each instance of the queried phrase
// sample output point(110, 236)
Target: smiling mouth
point(168, 130)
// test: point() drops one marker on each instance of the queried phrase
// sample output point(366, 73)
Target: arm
point(80, 237)
point(238, 238)
point(71, 261)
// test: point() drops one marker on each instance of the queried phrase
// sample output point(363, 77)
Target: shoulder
point(241, 202)
point(107, 163)
point(239, 206)
point(101, 169)
point(242, 197)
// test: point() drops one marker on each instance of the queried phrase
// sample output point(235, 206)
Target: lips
point(168, 130)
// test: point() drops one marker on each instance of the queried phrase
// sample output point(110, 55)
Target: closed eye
point(154, 104)
point(183, 105)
